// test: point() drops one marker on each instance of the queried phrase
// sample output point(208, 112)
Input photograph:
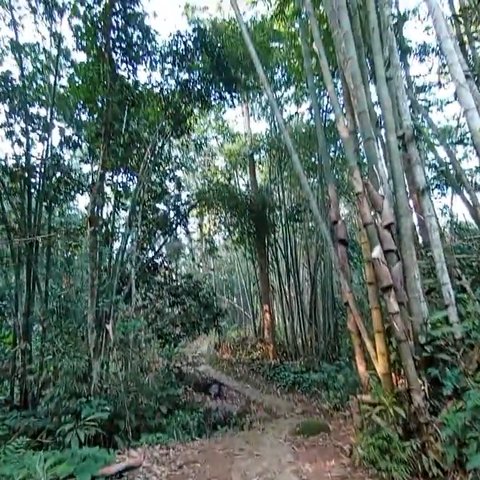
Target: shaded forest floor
point(269, 449)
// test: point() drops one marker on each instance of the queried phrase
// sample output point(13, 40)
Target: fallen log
point(129, 464)
point(245, 390)
point(273, 404)
point(200, 382)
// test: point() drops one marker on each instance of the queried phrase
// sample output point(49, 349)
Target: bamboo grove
point(386, 175)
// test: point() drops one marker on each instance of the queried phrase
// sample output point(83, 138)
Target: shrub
point(384, 450)
point(332, 383)
point(19, 462)
point(460, 432)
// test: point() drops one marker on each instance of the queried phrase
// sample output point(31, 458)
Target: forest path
point(271, 453)
point(268, 451)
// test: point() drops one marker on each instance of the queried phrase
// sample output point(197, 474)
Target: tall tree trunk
point(25, 327)
point(472, 202)
point(358, 30)
point(16, 321)
point(341, 29)
point(268, 318)
point(405, 221)
point(415, 197)
point(95, 209)
point(44, 314)
point(466, 40)
point(467, 8)
point(94, 226)
point(376, 314)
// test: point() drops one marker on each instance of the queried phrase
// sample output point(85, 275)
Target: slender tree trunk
point(16, 321)
point(25, 327)
point(334, 214)
point(405, 221)
point(320, 221)
point(94, 226)
point(452, 56)
point(463, 55)
point(383, 275)
point(414, 196)
point(362, 55)
point(376, 314)
point(95, 220)
point(46, 302)
point(281, 305)
point(466, 44)
point(340, 26)
point(472, 203)
point(419, 177)
point(339, 20)
point(268, 318)
point(282, 264)
point(466, 10)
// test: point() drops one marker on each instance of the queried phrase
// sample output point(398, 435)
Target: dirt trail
point(271, 453)
point(268, 452)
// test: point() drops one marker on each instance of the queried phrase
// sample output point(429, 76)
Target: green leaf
point(474, 462)
point(86, 470)
point(64, 470)
point(438, 315)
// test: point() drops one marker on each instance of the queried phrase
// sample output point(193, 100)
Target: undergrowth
point(192, 423)
point(71, 430)
point(43, 444)
point(450, 447)
point(18, 461)
point(331, 384)
point(390, 456)
point(384, 442)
